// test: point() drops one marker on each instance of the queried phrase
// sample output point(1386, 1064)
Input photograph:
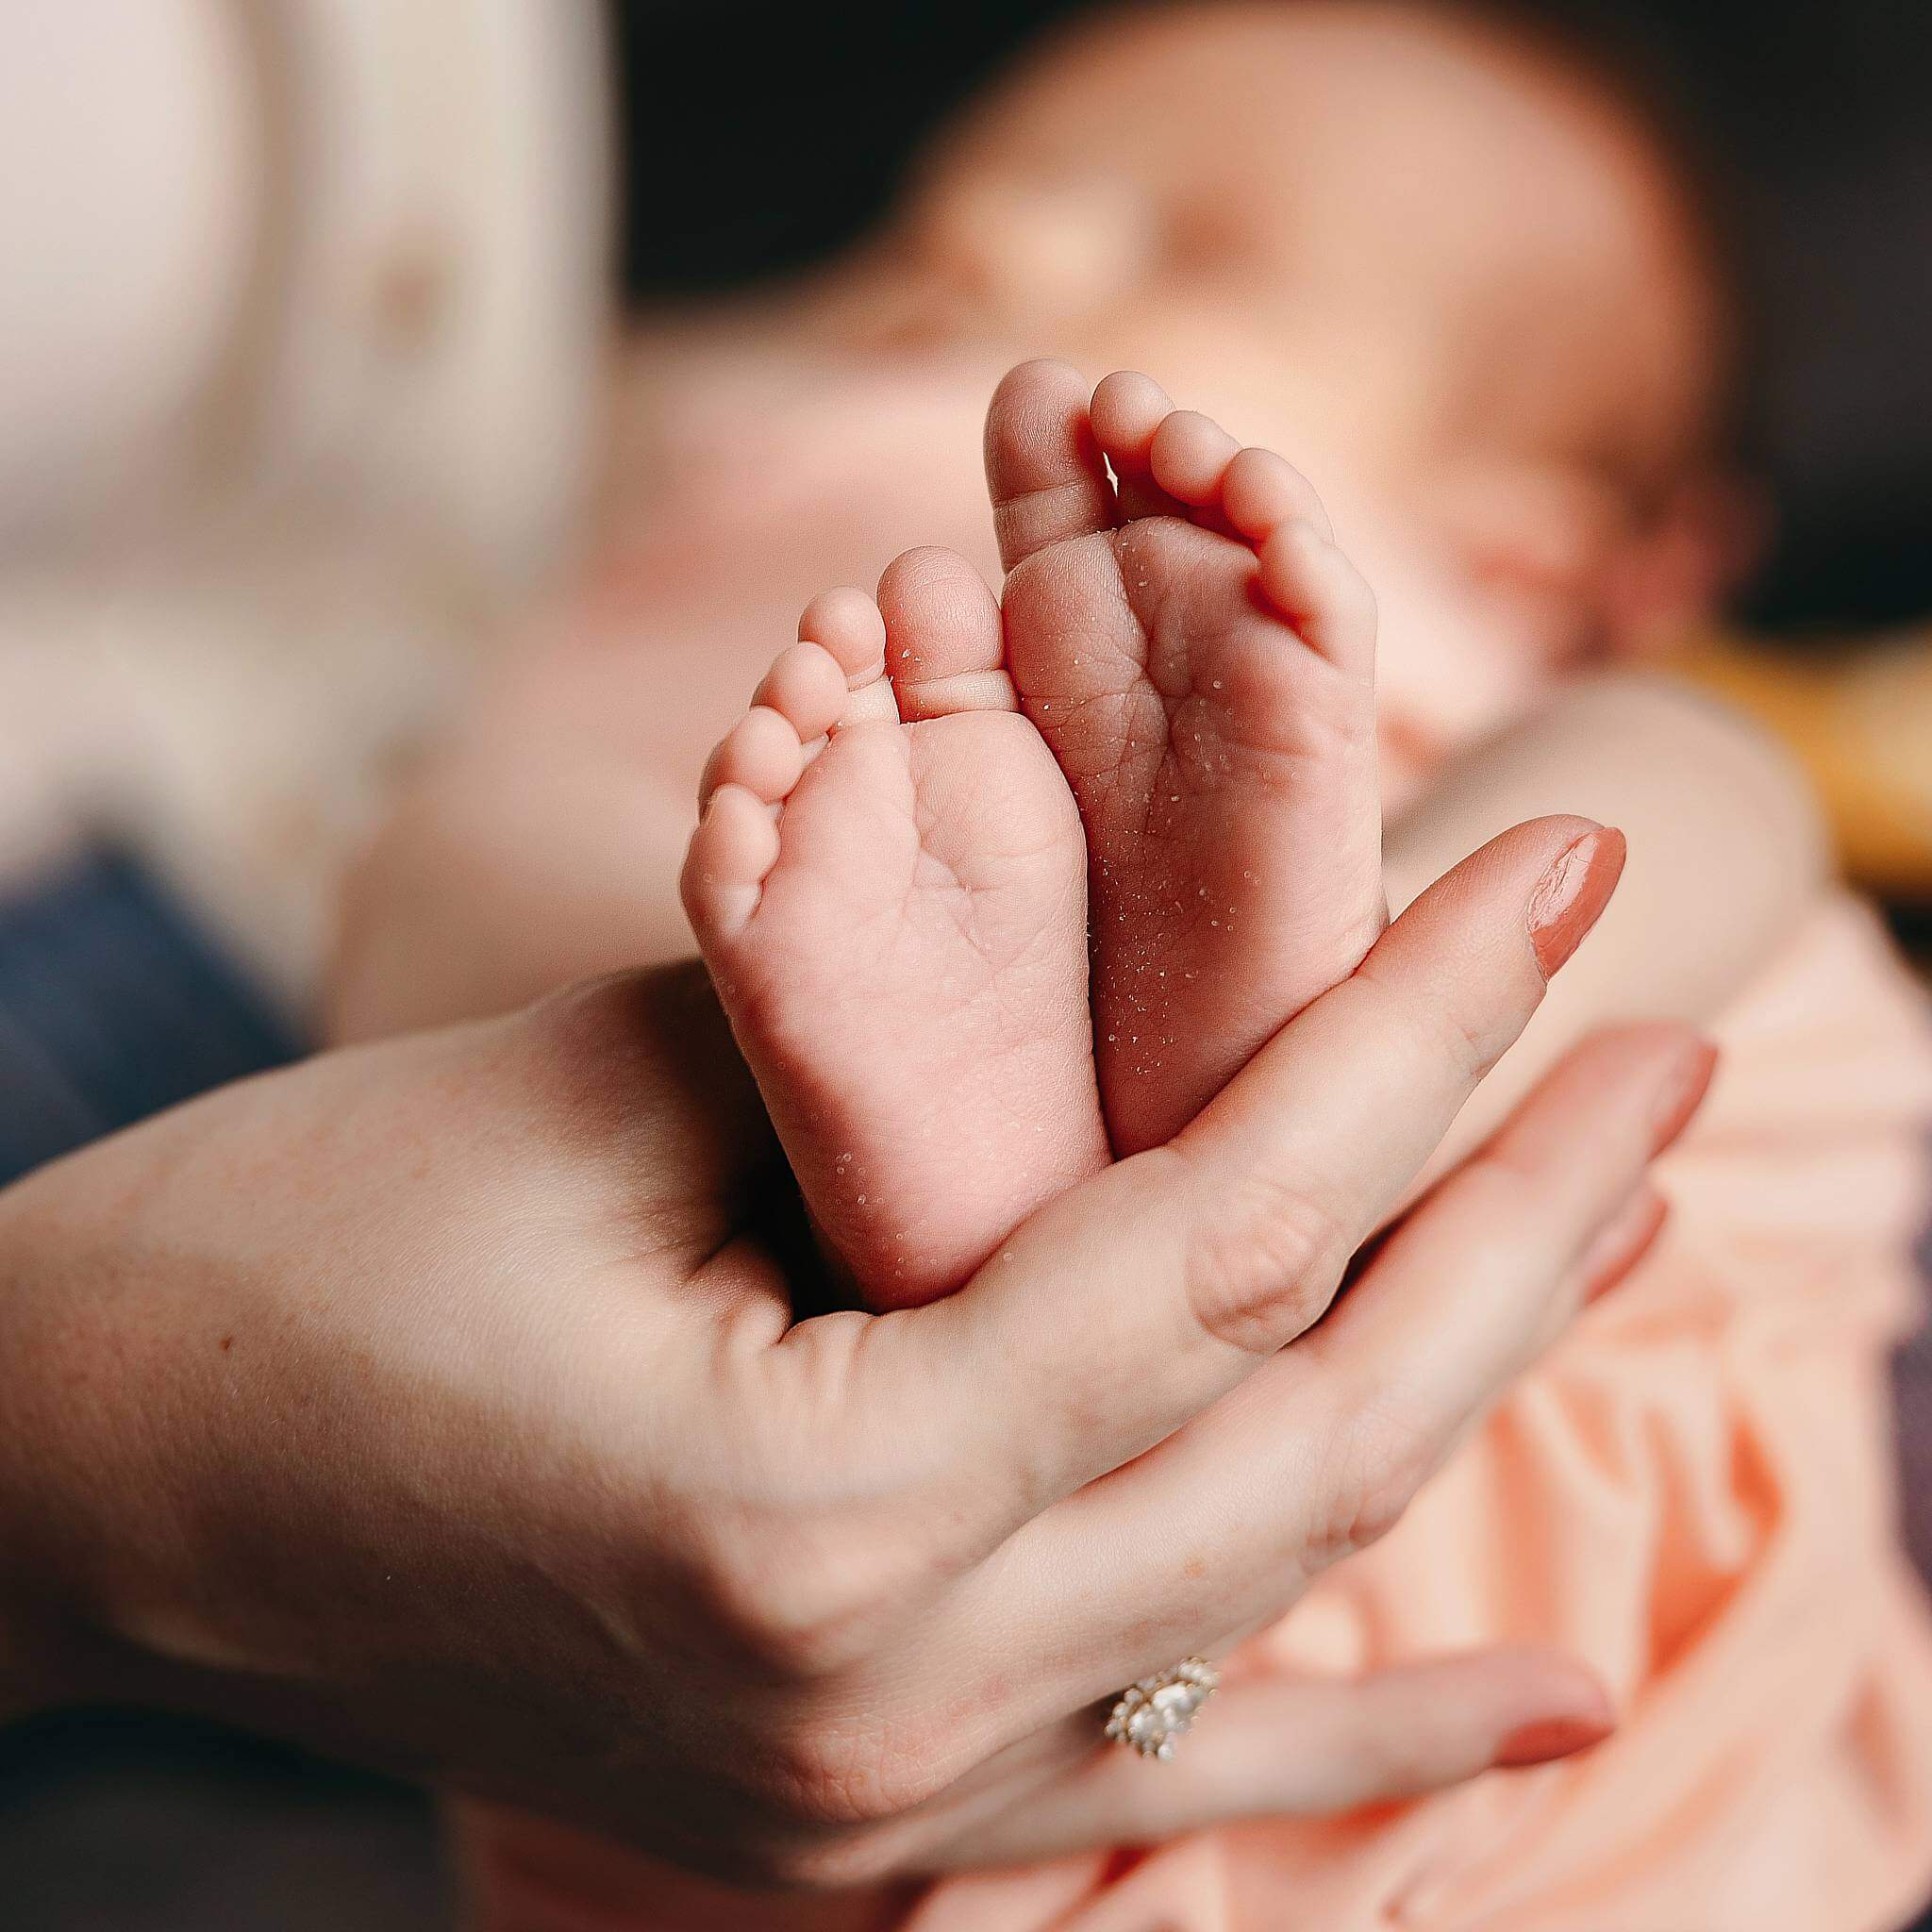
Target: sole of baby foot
point(1199, 654)
point(887, 884)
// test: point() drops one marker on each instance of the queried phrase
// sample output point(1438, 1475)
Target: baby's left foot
point(887, 886)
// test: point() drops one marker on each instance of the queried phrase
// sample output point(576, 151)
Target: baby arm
point(1725, 853)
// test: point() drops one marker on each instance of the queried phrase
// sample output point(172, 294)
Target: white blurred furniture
point(303, 312)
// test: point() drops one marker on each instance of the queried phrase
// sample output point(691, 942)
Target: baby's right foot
point(1199, 657)
point(889, 885)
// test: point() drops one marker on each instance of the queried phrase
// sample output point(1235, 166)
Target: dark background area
point(757, 138)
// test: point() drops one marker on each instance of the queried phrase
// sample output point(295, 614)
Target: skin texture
point(1521, 469)
point(1527, 496)
point(488, 1443)
point(1452, 275)
point(1505, 393)
point(896, 927)
point(1200, 655)
point(894, 890)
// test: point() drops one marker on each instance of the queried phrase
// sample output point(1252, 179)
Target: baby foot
point(1199, 657)
point(889, 886)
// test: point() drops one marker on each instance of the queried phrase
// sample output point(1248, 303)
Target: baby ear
point(1673, 578)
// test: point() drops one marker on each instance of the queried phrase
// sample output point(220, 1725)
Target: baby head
point(1449, 262)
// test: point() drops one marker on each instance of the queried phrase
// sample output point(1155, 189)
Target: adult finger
point(1439, 1350)
point(1130, 1304)
point(1225, 1524)
point(1307, 1747)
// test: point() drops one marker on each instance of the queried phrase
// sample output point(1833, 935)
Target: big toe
point(1043, 467)
point(944, 643)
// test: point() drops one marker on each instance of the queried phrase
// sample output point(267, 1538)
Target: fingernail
point(1681, 1093)
point(1623, 1242)
point(1573, 895)
point(1549, 1737)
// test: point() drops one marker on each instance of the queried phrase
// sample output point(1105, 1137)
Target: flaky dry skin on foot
point(1199, 657)
point(887, 884)
point(892, 880)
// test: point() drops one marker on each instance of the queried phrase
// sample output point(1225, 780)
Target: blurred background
point(330, 339)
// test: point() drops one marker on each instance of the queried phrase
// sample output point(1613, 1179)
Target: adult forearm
point(1725, 855)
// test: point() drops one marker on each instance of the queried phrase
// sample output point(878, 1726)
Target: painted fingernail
point(1681, 1093)
point(1573, 895)
point(1549, 1737)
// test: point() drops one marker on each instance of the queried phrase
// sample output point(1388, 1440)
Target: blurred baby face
point(1447, 276)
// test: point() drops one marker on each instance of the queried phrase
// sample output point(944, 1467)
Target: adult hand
point(443, 1404)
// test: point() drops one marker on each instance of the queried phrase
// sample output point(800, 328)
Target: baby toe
point(1190, 455)
point(806, 685)
point(1127, 409)
point(1260, 492)
point(943, 642)
point(846, 623)
point(761, 754)
point(734, 848)
point(1322, 594)
point(1044, 470)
